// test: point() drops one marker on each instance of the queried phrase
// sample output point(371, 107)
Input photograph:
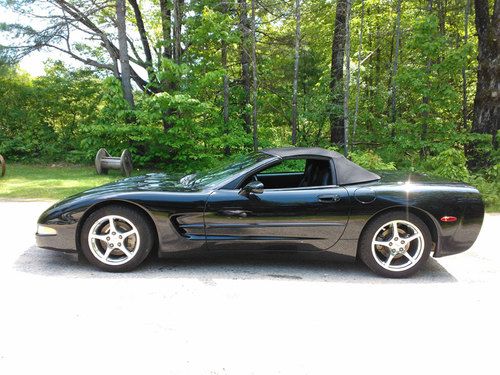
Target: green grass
point(51, 181)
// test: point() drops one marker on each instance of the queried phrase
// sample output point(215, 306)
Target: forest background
point(394, 84)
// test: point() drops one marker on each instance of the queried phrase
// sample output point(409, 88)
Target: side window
point(295, 173)
point(287, 166)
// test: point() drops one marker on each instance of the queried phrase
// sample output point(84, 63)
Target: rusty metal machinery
point(104, 162)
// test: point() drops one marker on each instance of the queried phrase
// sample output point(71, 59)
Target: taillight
point(448, 219)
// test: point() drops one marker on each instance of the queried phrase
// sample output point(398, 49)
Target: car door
point(276, 219)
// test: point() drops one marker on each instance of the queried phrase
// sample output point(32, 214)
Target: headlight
point(44, 230)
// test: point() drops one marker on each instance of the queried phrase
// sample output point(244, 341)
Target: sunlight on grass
point(51, 182)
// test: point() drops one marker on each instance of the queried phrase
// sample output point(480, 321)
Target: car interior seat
point(317, 173)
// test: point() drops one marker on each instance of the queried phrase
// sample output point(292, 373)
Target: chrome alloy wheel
point(114, 240)
point(398, 245)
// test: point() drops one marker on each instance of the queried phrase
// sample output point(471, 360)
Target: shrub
point(449, 164)
point(370, 160)
point(490, 190)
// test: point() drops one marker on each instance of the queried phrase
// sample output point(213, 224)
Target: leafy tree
point(422, 86)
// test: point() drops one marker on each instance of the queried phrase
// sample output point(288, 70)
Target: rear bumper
point(460, 236)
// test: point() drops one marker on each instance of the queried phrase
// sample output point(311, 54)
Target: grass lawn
point(51, 182)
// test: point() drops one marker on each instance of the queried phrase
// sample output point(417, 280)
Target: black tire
point(367, 255)
point(140, 252)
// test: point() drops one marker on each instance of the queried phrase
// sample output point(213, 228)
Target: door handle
point(234, 213)
point(329, 198)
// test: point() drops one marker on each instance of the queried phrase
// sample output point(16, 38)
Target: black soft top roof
point(347, 172)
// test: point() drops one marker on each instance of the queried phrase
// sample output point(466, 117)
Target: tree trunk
point(144, 41)
point(244, 27)
point(347, 77)
point(337, 74)
point(426, 101)
point(487, 101)
point(464, 75)
point(442, 6)
point(254, 82)
point(225, 85)
point(395, 62)
point(296, 72)
point(358, 72)
point(124, 58)
point(178, 15)
point(378, 62)
point(172, 49)
point(142, 32)
point(166, 24)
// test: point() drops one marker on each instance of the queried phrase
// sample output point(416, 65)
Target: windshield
point(220, 173)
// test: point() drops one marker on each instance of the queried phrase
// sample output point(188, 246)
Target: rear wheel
point(116, 238)
point(395, 244)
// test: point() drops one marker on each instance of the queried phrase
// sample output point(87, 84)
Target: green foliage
point(449, 164)
point(142, 141)
point(39, 117)
point(372, 161)
point(481, 149)
point(489, 186)
point(196, 139)
point(288, 166)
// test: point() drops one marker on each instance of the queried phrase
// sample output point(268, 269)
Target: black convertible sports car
point(283, 199)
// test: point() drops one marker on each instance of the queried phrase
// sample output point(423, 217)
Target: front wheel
point(116, 238)
point(395, 244)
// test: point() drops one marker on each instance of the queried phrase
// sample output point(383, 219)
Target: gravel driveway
point(243, 314)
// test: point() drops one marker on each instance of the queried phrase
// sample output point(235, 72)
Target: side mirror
point(255, 187)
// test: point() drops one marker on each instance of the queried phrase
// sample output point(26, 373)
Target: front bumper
point(63, 240)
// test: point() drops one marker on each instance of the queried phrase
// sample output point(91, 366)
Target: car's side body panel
point(278, 219)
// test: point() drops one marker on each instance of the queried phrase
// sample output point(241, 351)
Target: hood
point(149, 182)
point(152, 182)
